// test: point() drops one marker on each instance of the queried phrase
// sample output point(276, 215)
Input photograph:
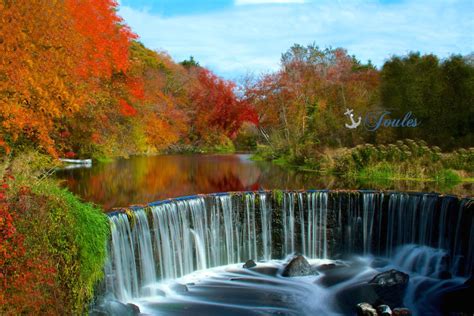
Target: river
point(144, 179)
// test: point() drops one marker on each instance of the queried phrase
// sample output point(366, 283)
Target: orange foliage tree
point(73, 82)
point(303, 104)
point(39, 85)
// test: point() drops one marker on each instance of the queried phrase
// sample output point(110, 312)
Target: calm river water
point(140, 180)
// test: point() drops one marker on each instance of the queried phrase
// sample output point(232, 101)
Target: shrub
point(402, 160)
point(60, 242)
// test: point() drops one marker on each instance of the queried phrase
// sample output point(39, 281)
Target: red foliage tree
point(216, 106)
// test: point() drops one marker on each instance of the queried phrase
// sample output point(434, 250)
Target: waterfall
point(423, 260)
point(173, 238)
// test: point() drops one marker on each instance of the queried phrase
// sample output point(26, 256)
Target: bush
point(62, 243)
point(447, 175)
point(402, 160)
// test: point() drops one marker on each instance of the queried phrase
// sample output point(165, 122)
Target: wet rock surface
point(112, 307)
point(298, 266)
point(386, 288)
point(390, 287)
point(365, 309)
point(249, 264)
point(391, 278)
point(384, 310)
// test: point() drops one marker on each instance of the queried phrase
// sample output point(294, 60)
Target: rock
point(365, 309)
point(134, 308)
point(445, 275)
point(113, 307)
point(348, 297)
point(386, 288)
point(339, 274)
point(326, 266)
point(298, 266)
point(401, 311)
point(390, 287)
point(249, 264)
point(384, 310)
point(390, 278)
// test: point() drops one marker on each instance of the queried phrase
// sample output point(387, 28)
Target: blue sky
point(238, 37)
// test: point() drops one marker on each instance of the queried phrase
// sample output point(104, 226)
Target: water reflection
point(140, 180)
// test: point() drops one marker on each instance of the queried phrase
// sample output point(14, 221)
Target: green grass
point(79, 237)
point(380, 171)
point(447, 175)
point(104, 159)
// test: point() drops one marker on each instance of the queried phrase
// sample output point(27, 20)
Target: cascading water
point(422, 233)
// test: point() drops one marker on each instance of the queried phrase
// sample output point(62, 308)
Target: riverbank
point(406, 160)
point(52, 244)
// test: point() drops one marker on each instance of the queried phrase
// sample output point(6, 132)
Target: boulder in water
point(384, 310)
point(134, 308)
point(111, 307)
point(325, 267)
point(401, 311)
point(365, 309)
point(391, 278)
point(387, 288)
point(249, 264)
point(298, 266)
point(390, 287)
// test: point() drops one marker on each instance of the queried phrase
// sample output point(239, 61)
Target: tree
point(215, 107)
point(301, 107)
point(38, 82)
point(188, 63)
point(438, 93)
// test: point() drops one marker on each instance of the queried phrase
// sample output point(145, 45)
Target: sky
point(235, 38)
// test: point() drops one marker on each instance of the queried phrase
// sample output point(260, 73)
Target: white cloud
point(252, 38)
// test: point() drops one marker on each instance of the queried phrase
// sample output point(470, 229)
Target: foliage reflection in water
point(141, 180)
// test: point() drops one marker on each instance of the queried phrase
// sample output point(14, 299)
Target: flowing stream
point(185, 255)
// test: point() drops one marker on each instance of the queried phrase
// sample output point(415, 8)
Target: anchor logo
point(351, 116)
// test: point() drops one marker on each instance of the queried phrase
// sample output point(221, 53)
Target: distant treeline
point(70, 90)
point(303, 107)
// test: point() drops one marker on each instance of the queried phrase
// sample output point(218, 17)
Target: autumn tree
point(302, 105)
point(58, 58)
point(39, 84)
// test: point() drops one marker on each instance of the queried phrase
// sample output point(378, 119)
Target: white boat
point(77, 161)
